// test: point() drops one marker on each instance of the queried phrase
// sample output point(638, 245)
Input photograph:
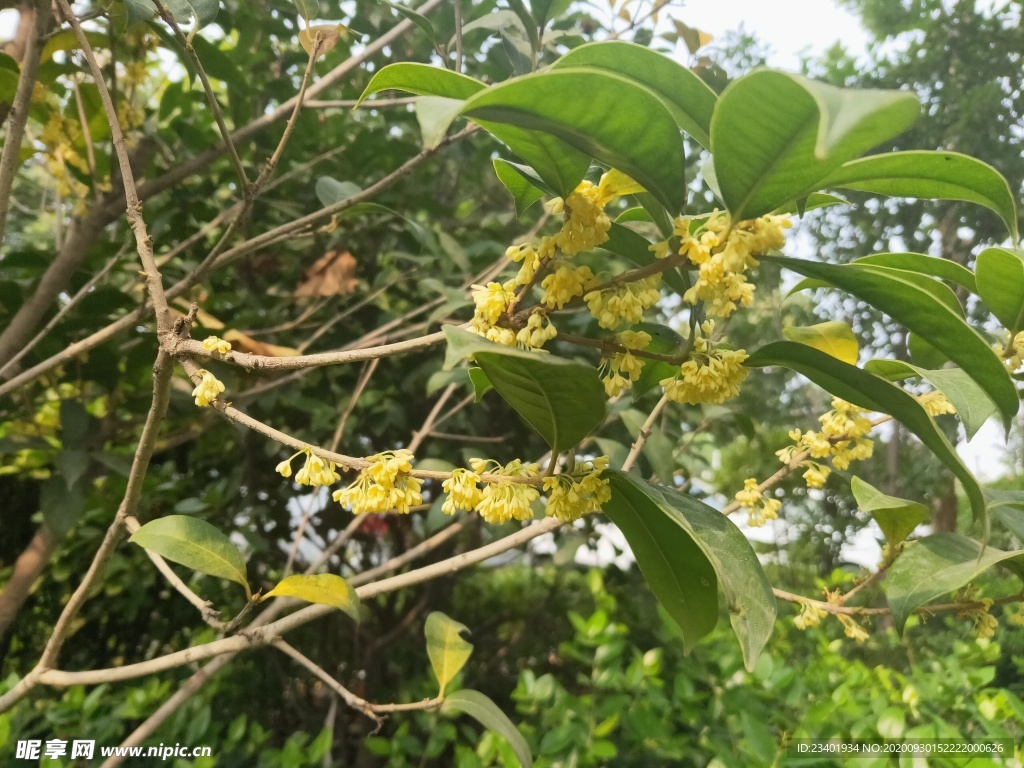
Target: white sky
point(789, 27)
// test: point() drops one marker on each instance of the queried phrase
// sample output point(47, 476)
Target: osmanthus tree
point(559, 333)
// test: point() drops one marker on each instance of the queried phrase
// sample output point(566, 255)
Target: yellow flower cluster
point(565, 284)
point(384, 486)
point(842, 437)
point(760, 509)
point(935, 403)
point(1013, 355)
point(315, 470)
point(491, 302)
point(505, 500)
point(59, 135)
point(572, 495)
point(537, 332)
point(712, 375)
point(816, 475)
point(810, 615)
point(463, 491)
point(853, 630)
point(623, 368)
point(207, 389)
point(216, 345)
point(624, 303)
point(723, 251)
point(985, 623)
point(586, 224)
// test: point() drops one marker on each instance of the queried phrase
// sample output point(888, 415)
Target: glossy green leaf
point(896, 517)
point(931, 175)
point(688, 98)
point(195, 544)
point(563, 400)
point(321, 588)
point(524, 192)
point(446, 648)
point(933, 567)
point(546, 10)
point(811, 202)
point(972, 404)
point(875, 394)
point(944, 269)
point(595, 112)
point(423, 80)
point(1001, 285)
point(683, 547)
point(61, 504)
point(903, 297)
point(487, 713)
point(833, 338)
point(776, 136)
point(560, 166)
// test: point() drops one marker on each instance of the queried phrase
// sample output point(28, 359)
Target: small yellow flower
point(935, 403)
point(216, 345)
point(463, 491)
point(712, 375)
point(1013, 354)
point(810, 615)
point(623, 303)
point(503, 501)
point(491, 301)
point(759, 509)
point(207, 389)
point(284, 469)
point(315, 471)
point(572, 495)
point(384, 486)
point(565, 284)
point(816, 475)
point(538, 331)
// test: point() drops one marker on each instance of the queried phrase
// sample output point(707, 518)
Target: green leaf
point(486, 712)
point(896, 517)
point(182, 11)
point(903, 297)
point(435, 114)
point(195, 544)
point(524, 192)
point(559, 166)
point(933, 567)
point(625, 242)
point(563, 400)
point(61, 504)
point(810, 203)
point(447, 650)
point(972, 404)
point(330, 191)
point(418, 19)
point(868, 391)
point(322, 588)
point(944, 269)
point(688, 98)
point(833, 338)
point(595, 112)
point(683, 547)
point(1001, 285)
point(776, 137)
point(1008, 508)
point(75, 424)
point(658, 449)
point(481, 384)
point(308, 9)
point(422, 80)
point(546, 10)
point(931, 175)
point(664, 341)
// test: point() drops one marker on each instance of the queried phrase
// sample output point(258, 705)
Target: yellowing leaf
point(447, 650)
point(329, 33)
point(616, 184)
point(704, 38)
point(324, 588)
point(833, 338)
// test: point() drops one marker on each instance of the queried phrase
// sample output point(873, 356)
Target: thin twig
point(645, 432)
